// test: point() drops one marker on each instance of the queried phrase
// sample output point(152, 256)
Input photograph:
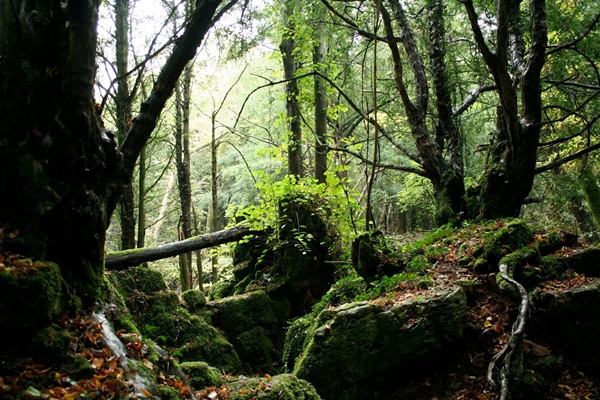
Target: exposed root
point(516, 337)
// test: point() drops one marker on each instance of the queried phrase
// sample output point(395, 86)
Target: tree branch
point(565, 160)
point(184, 50)
point(471, 99)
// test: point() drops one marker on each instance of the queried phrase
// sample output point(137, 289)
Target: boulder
point(251, 325)
point(570, 318)
point(348, 349)
point(278, 387)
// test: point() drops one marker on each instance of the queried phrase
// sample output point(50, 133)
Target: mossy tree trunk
point(511, 167)
point(61, 173)
point(182, 151)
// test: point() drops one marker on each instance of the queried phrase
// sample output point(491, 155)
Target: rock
point(500, 242)
point(30, 301)
point(194, 299)
point(571, 318)
point(160, 317)
point(250, 323)
point(278, 387)
point(202, 375)
point(585, 261)
point(349, 348)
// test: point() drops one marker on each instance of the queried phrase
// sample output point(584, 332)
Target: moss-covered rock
point(498, 243)
point(194, 299)
point(295, 340)
point(200, 374)
point(221, 289)
point(349, 348)
point(571, 318)
point(161, 317)
point(237, 314)
point(28, 302)
point(278, 387)
point(208, 344)
point(250, 323)
point(132, 281)
point(51, 344)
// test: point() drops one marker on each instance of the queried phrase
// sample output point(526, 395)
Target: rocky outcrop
point(571, 319)
point(346, 350)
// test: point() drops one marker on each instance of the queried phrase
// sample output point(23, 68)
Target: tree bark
point(214, 191)
point(121, 260)
point(141, 236)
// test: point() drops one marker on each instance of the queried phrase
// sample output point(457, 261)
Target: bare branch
point(471, 99)
point(574, 42)
point(565, 160)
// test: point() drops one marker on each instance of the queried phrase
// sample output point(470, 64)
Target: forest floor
point(462, 373)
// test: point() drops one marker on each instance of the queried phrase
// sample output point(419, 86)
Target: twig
point(516, 333)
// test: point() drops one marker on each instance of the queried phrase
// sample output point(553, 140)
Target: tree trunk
point(123, 101)
point(511, 169)
point(446, 177)
point(591, 190)
point(320, 108)
point(61, 173)
point(124, 259)
point(141, 236)
point(214, 204)
point(290, 65)
point(182, 150)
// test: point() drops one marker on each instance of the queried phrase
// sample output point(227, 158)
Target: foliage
point(330, 202)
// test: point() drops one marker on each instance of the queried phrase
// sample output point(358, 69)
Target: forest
point(285, 199)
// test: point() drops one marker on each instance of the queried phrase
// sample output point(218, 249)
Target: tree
point(511, 167)
point(61, 172)
point(123, 105)
point(290, 66)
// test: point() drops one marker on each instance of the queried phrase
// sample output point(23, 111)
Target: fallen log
point(123, 259)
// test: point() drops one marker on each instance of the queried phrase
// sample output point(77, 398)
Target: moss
point(278, 387)
point(136, 280)
point(78, 368)
point(352, 346)
point(343, 291)
point(29, 302)
point(194, 299)
point(169, 393)
point(240, 313)
point(500, 241)
point(202, 375)
point(295, 340)
point(212, 347)
point(51, 344)
point(256, 350)
point(221, 289)
point(373, 259)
